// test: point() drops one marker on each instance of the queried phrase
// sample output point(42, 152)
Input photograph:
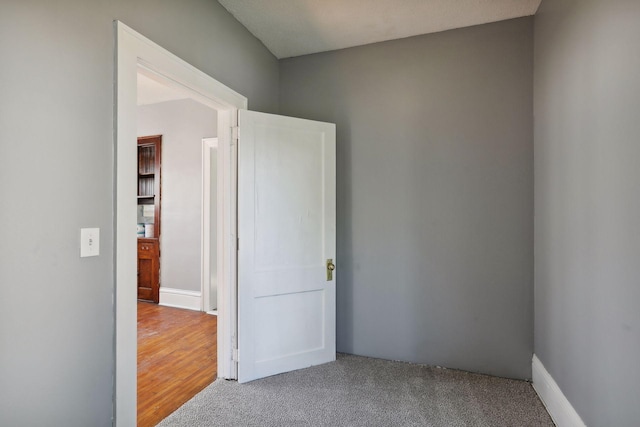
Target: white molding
point(180, 298)
point(557, 404)
point(227, 250)
point(209, 144)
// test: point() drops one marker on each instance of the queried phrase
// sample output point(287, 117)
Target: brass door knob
point(330, 267)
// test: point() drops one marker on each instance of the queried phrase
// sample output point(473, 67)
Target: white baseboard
point(558, 406)
point(191, 300)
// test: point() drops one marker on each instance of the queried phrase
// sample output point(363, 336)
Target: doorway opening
point(186, 189)
point(136, 54)
point(285, 316)
point(177, 346)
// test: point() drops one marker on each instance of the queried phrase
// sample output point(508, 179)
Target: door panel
point(286, 230)
point(148, 270)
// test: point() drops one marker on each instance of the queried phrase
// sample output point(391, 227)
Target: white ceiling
point(299, 27)
point(151, 90)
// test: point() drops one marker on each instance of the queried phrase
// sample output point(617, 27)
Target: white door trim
point(133, 53)
point(209, 144)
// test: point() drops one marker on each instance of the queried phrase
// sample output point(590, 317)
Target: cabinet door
point(148, 271)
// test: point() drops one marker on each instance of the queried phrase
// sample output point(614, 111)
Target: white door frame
point(209, 144)
point(133, 53)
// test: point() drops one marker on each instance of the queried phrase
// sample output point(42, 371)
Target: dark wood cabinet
point(149, 177)
point(149, 202)
point(149, 269)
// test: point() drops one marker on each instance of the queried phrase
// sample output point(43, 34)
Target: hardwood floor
point(177, 358)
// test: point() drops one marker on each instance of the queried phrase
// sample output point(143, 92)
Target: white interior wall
point(182, 124)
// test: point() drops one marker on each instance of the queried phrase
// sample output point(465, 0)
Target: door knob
point(330, 267)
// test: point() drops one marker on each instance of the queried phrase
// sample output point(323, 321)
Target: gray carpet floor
point(360, 391)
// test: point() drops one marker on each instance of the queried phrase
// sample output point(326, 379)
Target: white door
point(286, 231)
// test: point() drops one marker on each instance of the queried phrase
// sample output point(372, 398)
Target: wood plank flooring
point(177, 358)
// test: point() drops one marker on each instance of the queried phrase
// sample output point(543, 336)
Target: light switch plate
point(89, 242)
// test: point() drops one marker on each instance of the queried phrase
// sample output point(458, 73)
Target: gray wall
point(182, 125)
point(435, 193)
point(587, 204)
point(56, 176)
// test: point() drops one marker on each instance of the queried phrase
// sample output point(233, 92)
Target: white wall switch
point(89, 242)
